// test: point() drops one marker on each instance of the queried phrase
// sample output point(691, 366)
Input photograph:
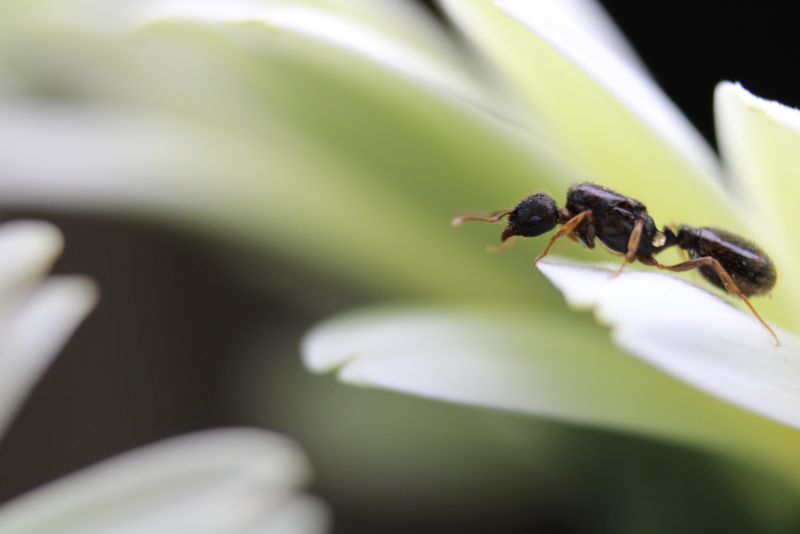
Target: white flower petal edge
point(595, 106)
point(760, 143)
point(691, 334)
point(426, 64)
point(497, 360)
point(35, 320)
point(27, 251)
point(630, 85)
point(550, 363)
point(220, 481)
point(591, 18)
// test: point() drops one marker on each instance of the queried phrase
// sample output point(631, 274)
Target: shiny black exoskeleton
point(594, 213)
point(750, 268)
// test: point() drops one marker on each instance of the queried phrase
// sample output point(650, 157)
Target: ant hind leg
point(730, 285)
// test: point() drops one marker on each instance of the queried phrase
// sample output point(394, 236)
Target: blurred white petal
point(760, 142)
point(551, 364)
point(632, 87)
point(398, 34)
point(300, 514)
point(362, 40)
point(401, 21)
point(616, 124)
point(36, 318)
point(693, 335)
point(589, 17)
point(220, 481)
point(334, 30)
point(27, 251)
point(384, 149)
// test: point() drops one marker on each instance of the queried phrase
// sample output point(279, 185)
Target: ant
point(622, 224)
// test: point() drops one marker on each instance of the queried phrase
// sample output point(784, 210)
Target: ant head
point(533, 216)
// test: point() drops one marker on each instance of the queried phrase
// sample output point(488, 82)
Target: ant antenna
point(490, 218)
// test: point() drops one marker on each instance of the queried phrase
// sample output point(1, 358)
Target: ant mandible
point(622, 224)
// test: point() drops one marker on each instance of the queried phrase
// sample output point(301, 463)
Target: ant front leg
point(568, 228)
point(633, 244)
point(730, 285)
point(505, 245)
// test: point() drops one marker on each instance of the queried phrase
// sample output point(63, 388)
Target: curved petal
point(221, 481)
point(399, 34)
point(35, 318)
point(546, 364)
point(760, 142)
point(592, 20)
point(28, 250)
point(616, 123)
point(436, 65)
point(32, 331)
point(403, 21)
point(692, 334)
point(388, 161)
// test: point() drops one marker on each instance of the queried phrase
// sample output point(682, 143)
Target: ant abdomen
point(748, 266)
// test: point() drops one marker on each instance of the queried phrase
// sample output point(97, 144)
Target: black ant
point(623, 225)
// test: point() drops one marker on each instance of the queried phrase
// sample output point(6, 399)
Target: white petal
point(33, 327)
point(299, 514)
point(423, 53)
point(586, 15)
point(633, 88)
point(545, 363)
point(613, 120)
point(241, 173)
point(35, 320)
point(339, 31)
point(27, 251)
point(218, 481)
point(760, 141)
point(403, 21)
point(692, 335)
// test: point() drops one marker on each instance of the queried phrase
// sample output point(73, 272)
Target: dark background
point(152, 360)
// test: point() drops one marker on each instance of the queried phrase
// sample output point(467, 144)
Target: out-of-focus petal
point(437, 65)
point(35, 318)
point(546, 364)
point(221, 481)
point(693, 335)
point(27, 251)
point(760, 143)
point(321, 155)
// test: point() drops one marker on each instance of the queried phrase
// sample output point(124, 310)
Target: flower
point(226, 480)
point(574, 78)
point(326, 132)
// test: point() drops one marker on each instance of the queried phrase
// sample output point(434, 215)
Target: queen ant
point(622, 224)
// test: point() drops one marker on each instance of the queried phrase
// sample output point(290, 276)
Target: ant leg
point(730, 285)
point(567, 229)
point(490, 218)
point(633, 244)
point(505, 245)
